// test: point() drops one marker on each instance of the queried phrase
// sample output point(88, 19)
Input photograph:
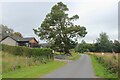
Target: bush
point(108, 61)
point(28, 52)
point(15, 57)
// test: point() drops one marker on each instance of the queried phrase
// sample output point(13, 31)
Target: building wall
point(9, 41)
point(33, 41)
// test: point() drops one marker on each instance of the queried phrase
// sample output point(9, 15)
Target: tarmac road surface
point(81, 68)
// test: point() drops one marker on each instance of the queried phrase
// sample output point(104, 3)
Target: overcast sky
point(96, 15)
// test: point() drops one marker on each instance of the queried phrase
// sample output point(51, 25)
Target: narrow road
point(81, 68)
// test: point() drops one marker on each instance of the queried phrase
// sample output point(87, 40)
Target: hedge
point(29, 52)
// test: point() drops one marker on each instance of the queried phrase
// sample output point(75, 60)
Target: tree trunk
point(67, 52)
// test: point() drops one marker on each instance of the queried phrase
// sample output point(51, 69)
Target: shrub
point(15, 57)
point(25, 51)
point(109, 61)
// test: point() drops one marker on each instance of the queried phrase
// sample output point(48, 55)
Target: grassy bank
point(26, 67)
point(12, 62)
point(34, 71)
point(100, 70)
point(75, 57)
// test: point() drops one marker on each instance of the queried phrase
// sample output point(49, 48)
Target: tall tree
point(116, 46)
point(59, 28)
point(83, 47)
point(17, 34)
point(5, 31)
point(103, 43)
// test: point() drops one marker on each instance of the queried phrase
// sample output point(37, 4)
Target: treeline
point(6, 31)
point(103, 44)
point(45, 53)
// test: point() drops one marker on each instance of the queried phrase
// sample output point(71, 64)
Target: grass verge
point(75, 57)
point(100, 70)
point(34, 71)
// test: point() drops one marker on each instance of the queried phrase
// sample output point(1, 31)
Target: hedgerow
point(109, 61)
point(28, 52)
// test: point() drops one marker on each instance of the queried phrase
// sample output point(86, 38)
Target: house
point(17, 41)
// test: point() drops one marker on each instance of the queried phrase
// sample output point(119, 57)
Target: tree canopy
point(5, 31)
point(116, 46)
point(84, 47)
point(59, 29)
point(103, 43)
point(17, 34)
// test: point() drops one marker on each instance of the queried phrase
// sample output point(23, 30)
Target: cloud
point(23, 17)
point(96, 15)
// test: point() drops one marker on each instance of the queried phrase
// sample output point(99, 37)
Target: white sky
point(96, 15)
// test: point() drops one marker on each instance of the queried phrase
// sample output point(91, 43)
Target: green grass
point(34, 71)
point(59, 52)
point(75, 57)
point(100, 70)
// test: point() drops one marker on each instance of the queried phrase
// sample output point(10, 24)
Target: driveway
point(81, 68)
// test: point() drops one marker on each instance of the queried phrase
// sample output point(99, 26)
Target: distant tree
point(59, 29)
point(17, 34)
point(83, 42)
point(91, 47)
point(82, 47)
point(5, 31)
point(103, 43)
point(116, 46)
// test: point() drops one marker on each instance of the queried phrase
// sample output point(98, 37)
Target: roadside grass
point(34, 71)
point(58, 52)
point(12, 62)
point(75, 57)
point(100, 70)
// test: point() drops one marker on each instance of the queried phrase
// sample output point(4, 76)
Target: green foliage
point(84, 47)
point(34, 71)
point(25, 51)
point(5, 31)
point(116, 46)
point(17, 34)
point(11, 62)
point(81, 48)
point(101, 70)
point(103, 43)
point(58, 28)
point(15, 57)
point(108, 61)
point(75, 57)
